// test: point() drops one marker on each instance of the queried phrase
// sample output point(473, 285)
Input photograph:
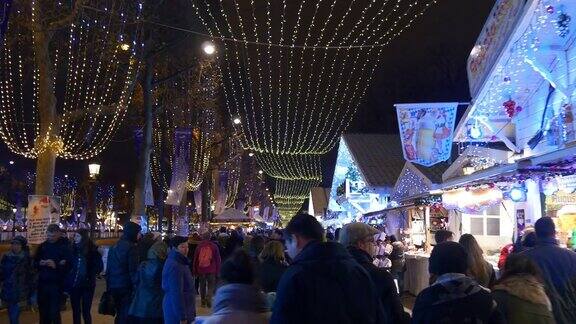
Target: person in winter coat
point(122, 270)
point(238, 301)
point(235, 241)
point(179, 292)
point(358, 238)
point(85, 265)
point(147, 303)
point(52, 261)
point(478, 268)
point(206, 266)
point(272, 266)
point(520, 293)
point(16, 276)
point(558, 267)
point(454, 298)
point(324, 284)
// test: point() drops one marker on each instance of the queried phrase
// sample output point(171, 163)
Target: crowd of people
point(300, 274)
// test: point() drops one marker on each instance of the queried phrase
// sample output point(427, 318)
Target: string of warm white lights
point(291, 167)
point(290, 107)
point(89, 63)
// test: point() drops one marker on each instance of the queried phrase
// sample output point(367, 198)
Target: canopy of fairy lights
point(66, 75)
point(294, 72)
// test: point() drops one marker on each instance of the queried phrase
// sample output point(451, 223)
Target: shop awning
point(481, 175)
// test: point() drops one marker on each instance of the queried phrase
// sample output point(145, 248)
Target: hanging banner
point(180, 168)
point(42, 211)
point(198, 201)
point(520, 220)
point(426, 131)
point(490, 44)
point(222, 193)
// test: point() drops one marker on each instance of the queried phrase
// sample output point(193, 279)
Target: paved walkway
point(30, 317)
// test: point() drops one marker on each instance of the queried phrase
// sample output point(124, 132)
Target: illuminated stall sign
point(426, 131)
point(492, 40)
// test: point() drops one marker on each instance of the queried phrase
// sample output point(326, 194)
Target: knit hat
point(158, 250)
point(177, 240)
point(53, 228)
point(354, 232)
point(448, 257)
point(19, 240)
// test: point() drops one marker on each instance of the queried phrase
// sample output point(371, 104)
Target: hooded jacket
point(122, 269)
point(385, 287)
point(325, 284)
point(455, 299)
point(16, 276)
point(523, 300)
point(558, 268)
point(239, 304)
point(147, 302)
point(179, 301)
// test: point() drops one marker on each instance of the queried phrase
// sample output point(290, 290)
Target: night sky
point(425, 64)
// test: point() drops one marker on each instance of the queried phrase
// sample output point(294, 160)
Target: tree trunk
point(206, 188)
point(139, 209)
point(47, 141)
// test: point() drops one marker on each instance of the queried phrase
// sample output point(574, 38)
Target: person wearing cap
point(16, 277)
point(358, 238)
point(122, 270)
point(52, 261)
point(454, 298)
point(324, 284)
point(179, 303)
point(558, 269)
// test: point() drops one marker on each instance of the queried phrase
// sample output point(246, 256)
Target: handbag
point(107, 305)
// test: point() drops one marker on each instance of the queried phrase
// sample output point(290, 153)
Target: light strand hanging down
point(295, 71)
point(67, 75)
point(291, 167)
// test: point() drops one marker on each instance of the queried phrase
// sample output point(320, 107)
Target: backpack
point(205, 256)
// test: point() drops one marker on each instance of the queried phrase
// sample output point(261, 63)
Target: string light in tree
point(80, 60)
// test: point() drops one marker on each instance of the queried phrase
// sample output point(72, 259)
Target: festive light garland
point(275, 96)
point(291, 167)
point(92, 76)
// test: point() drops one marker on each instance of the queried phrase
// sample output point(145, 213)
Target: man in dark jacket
point(358, 238)
point(454, 298)
point(122, 270)
point(558, 267)
point(324, 284)
point(52, 261)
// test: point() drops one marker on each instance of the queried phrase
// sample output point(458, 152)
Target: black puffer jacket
point(385, 287)
point(122, 269)
point(325, 284)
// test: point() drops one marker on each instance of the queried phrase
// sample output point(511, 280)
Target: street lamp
point(94, 169)
point(209, 48)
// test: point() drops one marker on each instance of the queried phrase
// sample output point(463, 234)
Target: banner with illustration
point(42, 211)
point(426, 131)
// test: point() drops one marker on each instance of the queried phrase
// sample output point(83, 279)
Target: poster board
point(42, 211)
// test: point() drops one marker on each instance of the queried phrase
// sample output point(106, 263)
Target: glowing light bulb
point(236, 121)
point(125, 47)
point(209, 48)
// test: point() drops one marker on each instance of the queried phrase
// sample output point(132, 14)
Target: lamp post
point(14, 211)
point(94, 171)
